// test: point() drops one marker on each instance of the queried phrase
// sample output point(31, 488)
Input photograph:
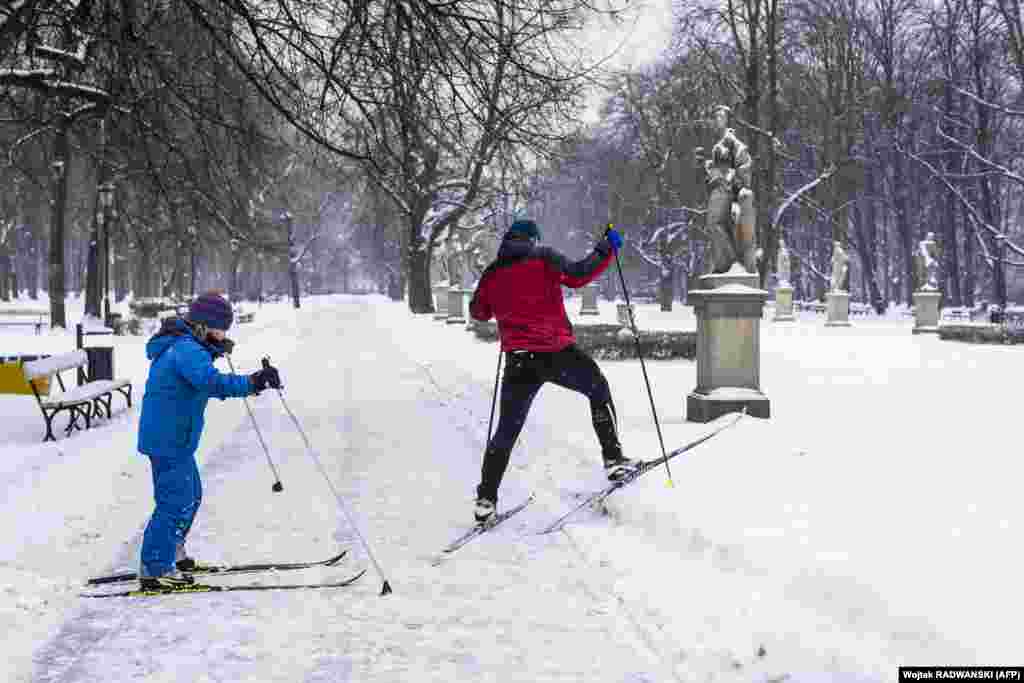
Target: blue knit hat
point(211, 308)
point(524, 227)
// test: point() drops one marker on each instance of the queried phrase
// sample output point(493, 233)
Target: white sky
point(639, 39)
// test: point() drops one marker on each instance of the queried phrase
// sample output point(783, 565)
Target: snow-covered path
point(873, 521)
point(504, 610)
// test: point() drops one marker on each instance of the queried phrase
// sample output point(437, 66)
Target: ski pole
point(386, 588)
point(277, 487)
point(640, 355)
point(494, 397)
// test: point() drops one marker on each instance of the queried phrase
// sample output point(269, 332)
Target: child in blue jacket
point(181, 380)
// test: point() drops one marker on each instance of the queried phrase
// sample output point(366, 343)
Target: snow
point(48, 366)
point(873, 521)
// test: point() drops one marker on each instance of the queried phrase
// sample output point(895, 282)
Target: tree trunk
point(192, 265)
point(144, 270)
point(667, 287)
point(62, 154)
point(5, 274)
point(92, 269)
point(345, 267)
point(234, 286)
point(420, 299)
point(865, 248)
point(293, 266)
point(17, 244)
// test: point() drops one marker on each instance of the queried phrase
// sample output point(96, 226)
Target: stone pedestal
point(622, 315)
point(456, 314)
point(838, 309)
point(440, 302)
point(590, 300)
point(926, 311)
point(728, 352)
point(783, 303)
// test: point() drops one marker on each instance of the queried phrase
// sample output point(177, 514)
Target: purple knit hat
point(211, 308)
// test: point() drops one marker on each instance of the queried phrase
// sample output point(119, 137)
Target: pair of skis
point(593, 499)
point(230, 570)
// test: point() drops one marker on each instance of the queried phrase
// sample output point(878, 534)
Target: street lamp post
point(106, 191)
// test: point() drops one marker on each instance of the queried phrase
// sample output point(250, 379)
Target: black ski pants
point(525, 373)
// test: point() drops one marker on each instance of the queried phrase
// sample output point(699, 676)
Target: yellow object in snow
point(12, 380)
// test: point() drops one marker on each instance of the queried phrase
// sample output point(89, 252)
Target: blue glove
point(614, 239)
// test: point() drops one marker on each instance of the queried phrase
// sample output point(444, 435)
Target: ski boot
point(189, 565)
point(617, 467)
point(175, 582)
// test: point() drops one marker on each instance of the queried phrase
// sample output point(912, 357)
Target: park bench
point(86, 401)
point(12, 317)
point(861, 309)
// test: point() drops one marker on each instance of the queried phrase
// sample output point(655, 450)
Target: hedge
point(604, 342)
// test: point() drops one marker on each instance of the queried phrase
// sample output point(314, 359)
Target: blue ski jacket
point(181, 380)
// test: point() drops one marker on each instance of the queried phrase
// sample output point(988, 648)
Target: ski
point(479, 529)
point(226, 569)
point(202, 588)
point(598, 497)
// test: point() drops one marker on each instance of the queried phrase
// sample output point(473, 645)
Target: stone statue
point(782, 264)
point(928, 263)
point(439, 265)
point(839, 267)
point(730, 222)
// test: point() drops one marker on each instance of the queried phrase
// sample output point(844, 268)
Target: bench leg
point(85, 410)
point(49, 425)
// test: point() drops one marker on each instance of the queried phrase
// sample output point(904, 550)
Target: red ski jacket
point(522, 289)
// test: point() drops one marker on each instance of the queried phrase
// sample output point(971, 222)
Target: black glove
point(267, 377)
point(224, 346)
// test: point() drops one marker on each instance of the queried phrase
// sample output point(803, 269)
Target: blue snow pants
point(178, 493)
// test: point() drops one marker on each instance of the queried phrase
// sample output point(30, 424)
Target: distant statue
point(782, 270)
point(839, 267)
point(928, 263)
point(439, 265)
point(730, 221)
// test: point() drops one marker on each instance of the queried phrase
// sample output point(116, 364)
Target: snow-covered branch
point(639, 248)
point(47, 80)
point(991, 105)
point(777, 144)
point(976, 218)
point(803, 190)
point(77, 57)
point(970, 150)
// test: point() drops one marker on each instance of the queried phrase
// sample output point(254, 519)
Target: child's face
point(216, 335)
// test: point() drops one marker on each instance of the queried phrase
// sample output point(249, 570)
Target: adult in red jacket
point(522, 288)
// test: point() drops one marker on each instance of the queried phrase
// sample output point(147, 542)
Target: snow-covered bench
point(18, 316)
point(86, 401)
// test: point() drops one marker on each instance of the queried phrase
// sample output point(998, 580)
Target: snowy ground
point(874, 521)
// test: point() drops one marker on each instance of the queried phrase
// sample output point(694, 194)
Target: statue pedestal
point(622, 312)
point(783, 303)
point(728, 352)
point(590, 300)
point(440, 302)
point(456, 297)
point(926, 311)
point(838, 309)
